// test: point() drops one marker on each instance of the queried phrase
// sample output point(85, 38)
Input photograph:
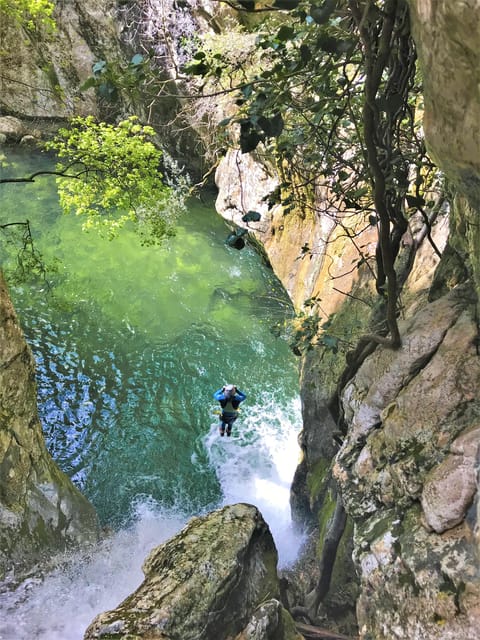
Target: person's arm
point(240, 395)
point(218, 395)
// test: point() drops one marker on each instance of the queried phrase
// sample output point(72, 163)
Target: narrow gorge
point(384, 497)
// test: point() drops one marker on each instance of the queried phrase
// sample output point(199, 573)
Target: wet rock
point(41, 510)
point(12, 128)
point(28, 141)
point(209, 581)
point(269, 622)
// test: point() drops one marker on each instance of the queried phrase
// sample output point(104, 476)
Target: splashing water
point(256, 465)
point(60, 604)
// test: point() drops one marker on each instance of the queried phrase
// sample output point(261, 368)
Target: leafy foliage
point(110, 78)
point(116, 178)
point(335, 98)
point(29, 13)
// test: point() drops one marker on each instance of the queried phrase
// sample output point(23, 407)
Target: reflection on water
point(130, 343)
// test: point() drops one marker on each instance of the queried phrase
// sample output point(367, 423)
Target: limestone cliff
point(42, 74)
point(447, 35)
point(407, 471)
point(41, 510)
point(402, 430)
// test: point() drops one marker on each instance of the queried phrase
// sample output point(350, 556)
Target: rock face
point(447, 36)
point(41, 75)
point(40, 509)
point(408, 476)
point(245, 184)
point(214, 580)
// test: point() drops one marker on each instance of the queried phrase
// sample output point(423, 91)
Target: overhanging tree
point(110, 175)
point(336, 100)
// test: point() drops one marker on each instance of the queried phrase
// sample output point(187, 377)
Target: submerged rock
point(215, 579)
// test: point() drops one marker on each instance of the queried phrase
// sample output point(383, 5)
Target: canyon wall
point(41, 510)
point(399, 440)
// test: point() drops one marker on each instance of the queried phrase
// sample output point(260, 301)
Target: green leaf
point(415, 201)
point(247, 90)
point(90, 82)
point(251, 216)
point(249, 138)
point(99, 67)
point(249, 141)
point(305, 53)
point(196, 69)
point(273, 126)
point(107, 90)
point(285, 33)
point(359, 193)
point(137, 59)
point(327, 43)
point(321, 14)
point(330, 342)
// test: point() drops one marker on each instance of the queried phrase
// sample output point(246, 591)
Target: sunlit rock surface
point(408, 476)
point(40, 509)
point(306, 250)
point(447, 36)
point(215, 579)
point(42, 75)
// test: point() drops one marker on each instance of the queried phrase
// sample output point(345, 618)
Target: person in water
point(230, 398)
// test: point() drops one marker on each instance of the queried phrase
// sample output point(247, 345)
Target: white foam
point(61, 604)
point(257, 463)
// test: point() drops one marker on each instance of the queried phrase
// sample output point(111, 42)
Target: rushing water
point(130, 343)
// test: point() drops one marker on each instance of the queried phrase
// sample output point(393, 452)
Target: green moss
point(324, 516)
point(52, 77)
point(373, 529)
point(270, 584)
point(317, 477)
point(342, 330)
point(288, 629)
point(341, 599)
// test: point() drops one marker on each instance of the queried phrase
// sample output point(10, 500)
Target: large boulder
point(214, 580)
point(40, 509)
point(11, 129)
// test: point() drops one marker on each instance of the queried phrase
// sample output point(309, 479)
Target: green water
point(132, 341)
